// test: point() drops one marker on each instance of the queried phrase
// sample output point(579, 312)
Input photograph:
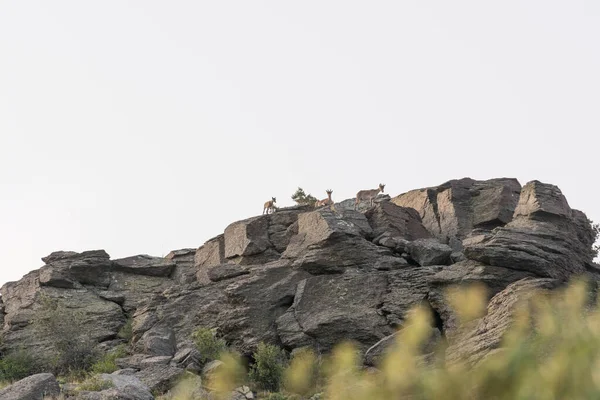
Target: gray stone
point(156, 360)
point(24, 302)
point(125, 387)
point(185, 271)
point(402, 222)
point(131, 362)
point(328, 244)
point(429, 252)
point(66, 269)
point(247, 238)
point(454, 208)
point(159, 341)
point(160, 378)
point(545, 237)
point(211, 254)
point(212, 367)
point(242, 393)
point(34, 387)
point(186, 356)
point(125, 371)
point(486, 334)
point(330, 309)
point(145, 265)
point(226, 271)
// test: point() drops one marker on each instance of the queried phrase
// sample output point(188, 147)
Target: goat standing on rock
point(364, 195)
point(327, 201)
point(269, 206)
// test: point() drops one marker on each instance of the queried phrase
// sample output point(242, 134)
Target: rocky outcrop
point(33, 387)
point(103, 292)
point(315, 277)
point(546, 237)
point(452, 210)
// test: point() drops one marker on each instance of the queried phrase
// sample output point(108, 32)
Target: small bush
point(94, 384)
point(17, 365)
point(267, 371)
point(302, 375)
point(209, 346)
point(126, 331)
point(301, 198)
point(228, 376)
point(107, 364)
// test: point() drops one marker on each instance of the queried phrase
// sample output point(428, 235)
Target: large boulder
point(283, 225)
point(487, 333)
point(159, 341)
point(67, 269)
point(160, 378)
point(450, 211)
point(34, 387)
point(209, 255)
point(125, 387)
point(331, 309)
point(386, 218)
point(546, 237)
point(25, 301)
point(330, 242)
point(426, 252)
point(247, 238)
point(461, 274)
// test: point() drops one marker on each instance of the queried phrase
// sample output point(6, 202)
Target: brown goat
point(325, 202)
point(269, 206)
point(369, 195)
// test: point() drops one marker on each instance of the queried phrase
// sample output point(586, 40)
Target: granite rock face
point(452, 210)
point(545, 237)
point(316, 277)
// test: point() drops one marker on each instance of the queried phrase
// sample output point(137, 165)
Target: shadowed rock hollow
point(303, 277)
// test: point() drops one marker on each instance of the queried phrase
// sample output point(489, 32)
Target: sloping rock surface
point(316, 277)
point(33, 387)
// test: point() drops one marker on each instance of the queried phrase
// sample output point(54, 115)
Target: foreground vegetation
point(552, 351)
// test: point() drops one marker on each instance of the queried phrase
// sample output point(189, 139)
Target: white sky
point(146, 126)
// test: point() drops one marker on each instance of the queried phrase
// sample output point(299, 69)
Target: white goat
point(269, 206)
point(364, 195)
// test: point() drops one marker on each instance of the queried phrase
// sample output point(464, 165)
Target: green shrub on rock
point(209, 346)
point(94, 384)
point(107, 364)
point(268, 368)
point(17, 365)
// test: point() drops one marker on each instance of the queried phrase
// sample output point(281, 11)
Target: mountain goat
point(369, 195)
point(269, 206)
point(325, 202)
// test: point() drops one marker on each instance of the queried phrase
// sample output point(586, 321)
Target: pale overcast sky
point(146, 126)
